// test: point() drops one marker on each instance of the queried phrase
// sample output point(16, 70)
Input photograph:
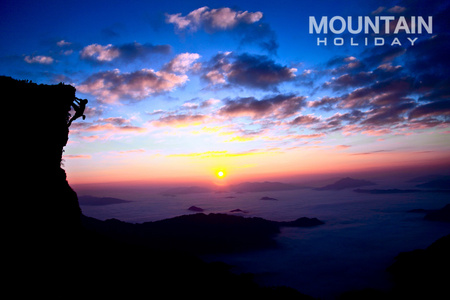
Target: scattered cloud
point(212, 20)
point(305, 120)
point(182, 63)
point(125, 52)
point(113, 86)
point(246, 26)
point(182, 120)
point(251, 71)
point(396, 9)
point(63, 43)
point(99, 53)
point(39, 59)
point(73, 156)
point(280, 106)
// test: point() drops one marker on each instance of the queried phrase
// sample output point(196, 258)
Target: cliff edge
point(40, 198)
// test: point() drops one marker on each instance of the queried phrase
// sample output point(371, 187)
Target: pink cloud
point(212, 19)
point(113, 86)
point(39, 59)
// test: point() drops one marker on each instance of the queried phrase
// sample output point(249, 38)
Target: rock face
point(422, 273)
point(42, 195)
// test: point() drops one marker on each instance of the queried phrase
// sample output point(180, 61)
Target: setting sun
point(220, 174)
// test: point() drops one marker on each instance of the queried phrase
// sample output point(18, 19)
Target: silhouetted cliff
point(37, 118)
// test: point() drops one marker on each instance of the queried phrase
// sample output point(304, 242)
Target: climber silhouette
point(79, 109)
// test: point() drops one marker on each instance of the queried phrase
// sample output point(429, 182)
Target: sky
point(181, 90)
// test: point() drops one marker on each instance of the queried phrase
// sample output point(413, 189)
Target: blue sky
point(182, 89)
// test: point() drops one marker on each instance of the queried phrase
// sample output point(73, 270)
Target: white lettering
point(375, 27)
point(387, 19)
point(396, 41)
point(343, 25)
point(412, 41)
point(379, 41)
point(428, 27)
point(324, 41)
point(338, 41)
point(413, 24)
point(350, 29)
point(318, 28)
point(401, 25)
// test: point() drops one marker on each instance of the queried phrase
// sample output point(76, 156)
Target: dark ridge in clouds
point(305, 120)
point(437, 108)
point(247, 70)
point(258, 71)
point(386, 115)
point(280, 106)
point(378, 94)
point(326, 103)
point(181, 120)
point(127, 52)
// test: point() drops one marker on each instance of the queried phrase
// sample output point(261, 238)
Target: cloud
point(39, 59)
point(349, 80)
point(73, 156)
point(258, 71)
point(243, 25)
point(112, 124)
point(379, 93)
point(253, 71)
point(126, 52)
point(182, 63)
point(113, 86)
point(388, 115)
point(326, 103)
point(280, 106)
point(212, 19)
point(396, 9)
point(99, 53)
point(63, 43)
point(436, 108)
point(182, 120)
point(305, 120)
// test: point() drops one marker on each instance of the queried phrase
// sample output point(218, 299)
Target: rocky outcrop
point(42, 200)
point(422, 273)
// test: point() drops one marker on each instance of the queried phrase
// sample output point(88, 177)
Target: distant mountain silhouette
point(186, 190)
point(195, 208)
point(441, 215)
point(95, 201)
point(429, 178)
point(386, 191)
point(199, 233)
point(345, 183)
point(266, 186)
point(268, 198)
point(436, 184)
